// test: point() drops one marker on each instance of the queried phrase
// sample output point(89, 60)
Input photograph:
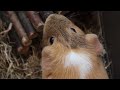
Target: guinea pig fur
point(69, 53)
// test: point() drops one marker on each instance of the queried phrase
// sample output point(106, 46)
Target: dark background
point(111, 27)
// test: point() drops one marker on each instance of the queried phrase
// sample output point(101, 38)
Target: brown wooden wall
point(111, 28)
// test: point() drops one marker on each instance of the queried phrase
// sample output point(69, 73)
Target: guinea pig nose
point(52, 16)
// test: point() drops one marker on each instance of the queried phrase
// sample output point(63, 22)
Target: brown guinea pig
point(69, 53)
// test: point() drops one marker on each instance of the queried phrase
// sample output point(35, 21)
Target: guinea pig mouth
point(50, 17)
point(55, 18)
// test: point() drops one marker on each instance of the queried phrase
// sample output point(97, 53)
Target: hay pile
point(14, 67)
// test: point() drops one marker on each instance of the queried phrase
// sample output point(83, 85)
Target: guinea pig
point(69, 53)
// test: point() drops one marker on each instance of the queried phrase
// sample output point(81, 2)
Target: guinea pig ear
point(93, 40)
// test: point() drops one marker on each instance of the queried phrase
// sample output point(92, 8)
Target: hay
point(13, 67)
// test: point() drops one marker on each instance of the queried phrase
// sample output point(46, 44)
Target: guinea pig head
point(69, 53)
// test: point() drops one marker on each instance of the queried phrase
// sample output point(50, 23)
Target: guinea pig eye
point(73, 30)
point(51, 40)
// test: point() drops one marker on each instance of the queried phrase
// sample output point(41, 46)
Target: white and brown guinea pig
point(69, 53)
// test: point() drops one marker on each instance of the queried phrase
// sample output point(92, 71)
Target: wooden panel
point(111, 27)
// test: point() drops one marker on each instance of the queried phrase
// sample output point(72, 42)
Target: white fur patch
point(80, 60)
